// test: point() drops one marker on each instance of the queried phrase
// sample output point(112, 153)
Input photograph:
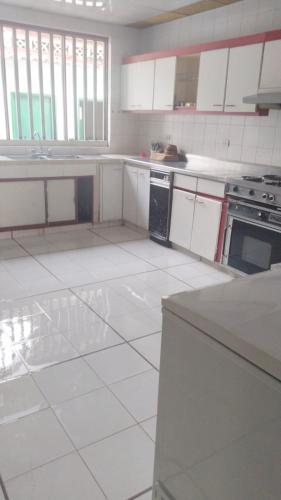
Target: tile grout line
point(125, 341)
point(3, 489)
point(51, 408)
point(136, 497)
point(135, 424)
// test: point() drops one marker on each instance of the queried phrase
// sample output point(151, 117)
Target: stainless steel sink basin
point(63, 157)
point(20, 157)
point(42, 157)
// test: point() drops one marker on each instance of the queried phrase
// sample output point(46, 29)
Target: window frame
point(64, 33)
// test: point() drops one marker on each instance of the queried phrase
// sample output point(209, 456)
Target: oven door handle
point(160, 184)
point(227, 239)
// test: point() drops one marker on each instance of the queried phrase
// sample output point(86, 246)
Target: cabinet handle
point(218, 105)
point(189, 199)
point(201, 202)
point(230, 105)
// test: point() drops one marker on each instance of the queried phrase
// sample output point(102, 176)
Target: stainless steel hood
point(265, 100)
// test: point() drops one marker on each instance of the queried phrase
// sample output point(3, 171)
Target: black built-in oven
point(253, 238)
point(161, 184)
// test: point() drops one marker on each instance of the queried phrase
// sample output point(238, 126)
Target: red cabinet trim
point(197, 49)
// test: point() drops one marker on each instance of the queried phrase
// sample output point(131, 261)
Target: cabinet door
point(22, 203)
point(164, 84)
point(111, 192)
point(143, 198)
point(124, 87)
point(212, 80)
point(271, 67)
point(182, 218)
point(206, 224)
point(130, 194)
point(61, 200)
point(130, 79)
point(145, 84)
point(243, 77)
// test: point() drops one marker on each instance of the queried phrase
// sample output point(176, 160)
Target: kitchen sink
point(42, 157)
point(63, 157)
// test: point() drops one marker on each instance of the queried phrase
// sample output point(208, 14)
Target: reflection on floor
point(80, 336)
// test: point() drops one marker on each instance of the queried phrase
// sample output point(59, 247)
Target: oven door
point(159, 211)
point(251, 248)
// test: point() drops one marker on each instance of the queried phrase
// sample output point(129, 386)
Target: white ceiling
point(120, 11)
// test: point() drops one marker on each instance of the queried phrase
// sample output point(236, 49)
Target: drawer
point(185, 182)
point(212, 188)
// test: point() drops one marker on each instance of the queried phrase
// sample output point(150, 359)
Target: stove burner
point(273, 178)
point(252, 178)
point(273, 183)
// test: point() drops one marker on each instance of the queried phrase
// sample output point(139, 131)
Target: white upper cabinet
point(145, 85)
point(212, 80)
point(243, 77)
point(124, 87)
point(271, 67)
point(206, 224)
point(129, 86)
point(164, 85)
point(137, 85)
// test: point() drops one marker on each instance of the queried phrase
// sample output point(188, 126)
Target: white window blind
point(53, 85)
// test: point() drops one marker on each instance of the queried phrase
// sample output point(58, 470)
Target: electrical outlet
point(161, 493)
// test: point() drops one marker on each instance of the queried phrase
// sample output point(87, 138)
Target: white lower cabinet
point(136, 196)
point(182, 218)
point(143, 198)
point(61, 205)
point(22, 203)
point(206, 225)
point(130, 194)
point(195, 223)
point(111, 192)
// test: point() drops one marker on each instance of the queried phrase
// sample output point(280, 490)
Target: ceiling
point(135, 13)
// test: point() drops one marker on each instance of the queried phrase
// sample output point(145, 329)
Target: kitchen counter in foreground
point(244, 315)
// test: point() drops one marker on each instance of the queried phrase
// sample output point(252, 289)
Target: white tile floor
point(80, 337)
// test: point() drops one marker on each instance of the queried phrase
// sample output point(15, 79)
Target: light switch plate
point(161, 493)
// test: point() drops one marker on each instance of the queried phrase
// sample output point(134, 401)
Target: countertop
point(209, 168)
point(198, 166)
point(244, 315)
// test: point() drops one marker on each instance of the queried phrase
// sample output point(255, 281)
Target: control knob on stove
point(265, 196)
point(262, 215)
point(235, 189)
point(271, 197)
point(252, 192)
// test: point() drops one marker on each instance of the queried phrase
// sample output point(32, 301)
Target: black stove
point(261, 190)
point(253, 230)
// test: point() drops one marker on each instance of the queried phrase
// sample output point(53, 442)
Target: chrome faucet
point(41, 151)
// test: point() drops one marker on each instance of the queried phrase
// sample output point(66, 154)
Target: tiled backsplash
point(252, 139)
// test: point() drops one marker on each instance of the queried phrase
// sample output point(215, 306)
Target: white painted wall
point(123, 41)
point(254, 139)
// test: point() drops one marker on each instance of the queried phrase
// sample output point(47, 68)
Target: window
point(53, 85)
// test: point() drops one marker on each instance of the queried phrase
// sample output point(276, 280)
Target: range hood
point(265, 100)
